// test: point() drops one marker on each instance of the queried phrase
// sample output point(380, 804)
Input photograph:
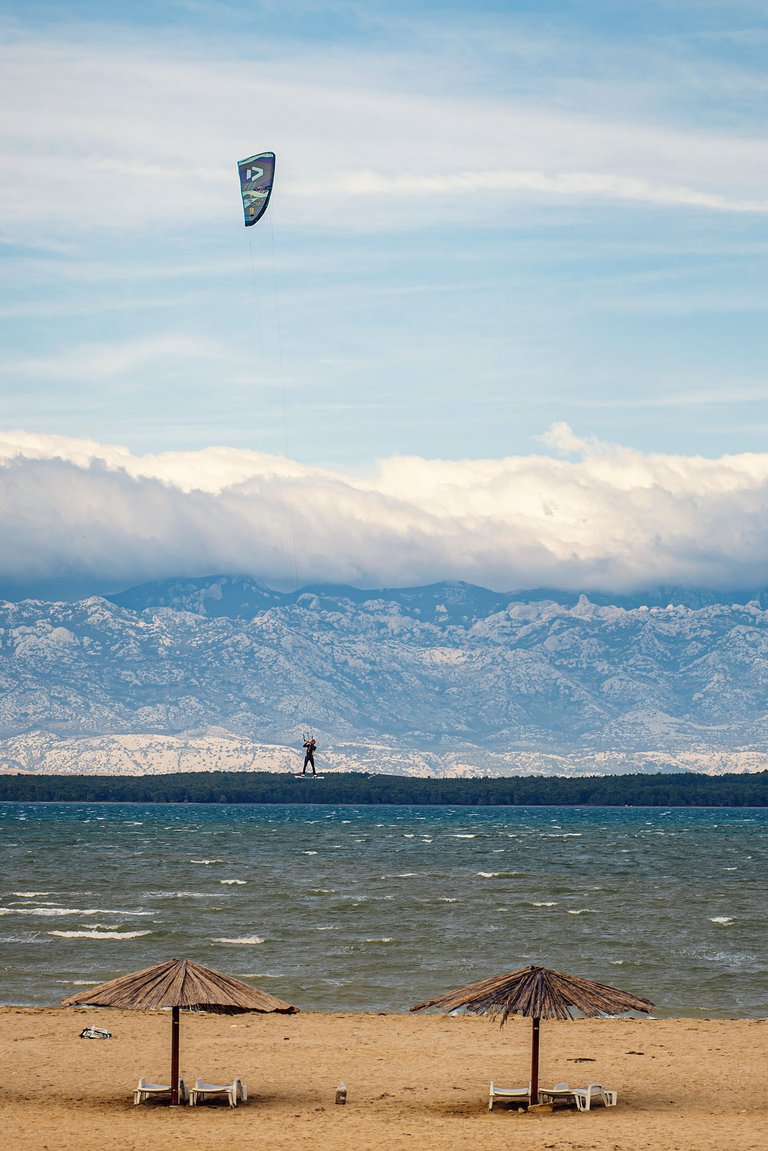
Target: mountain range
point(449, 679)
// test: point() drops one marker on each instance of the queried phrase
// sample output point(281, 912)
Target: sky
point(503, 321)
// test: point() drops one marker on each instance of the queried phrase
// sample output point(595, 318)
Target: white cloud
point(108, 135)
point(611, 518)
point(576, 185)
point(100, 362)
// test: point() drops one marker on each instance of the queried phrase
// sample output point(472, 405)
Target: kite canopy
point(256, 176)
point(179, 983)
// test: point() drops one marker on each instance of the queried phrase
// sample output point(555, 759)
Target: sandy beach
point(413, 1081)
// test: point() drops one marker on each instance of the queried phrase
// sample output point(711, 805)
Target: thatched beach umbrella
point(178, 983)
point(538, 993)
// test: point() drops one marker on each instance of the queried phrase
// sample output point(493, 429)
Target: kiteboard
point(309, 775)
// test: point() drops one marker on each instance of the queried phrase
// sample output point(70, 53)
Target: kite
point(256, 176)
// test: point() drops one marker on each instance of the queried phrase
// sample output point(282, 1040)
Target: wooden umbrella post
point(174, 1056)
point(535, 1060)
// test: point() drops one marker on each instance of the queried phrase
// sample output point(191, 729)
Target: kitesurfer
point(309, 757)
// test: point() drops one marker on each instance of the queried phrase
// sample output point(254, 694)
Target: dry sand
point(413, 1082)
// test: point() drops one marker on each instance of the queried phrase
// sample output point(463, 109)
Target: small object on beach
point(341, 1093)
point(95, 1033)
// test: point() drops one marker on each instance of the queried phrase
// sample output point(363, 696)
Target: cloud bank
point(582, 514)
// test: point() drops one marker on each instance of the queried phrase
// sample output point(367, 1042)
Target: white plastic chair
point(145, 1090)
point(235, 1091)
point(508, 1095)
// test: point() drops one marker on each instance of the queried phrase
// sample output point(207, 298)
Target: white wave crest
point(184, 895)
point(99, 934)
point(723, 920)
point(59, 911)
point(241, 941)
point(233, 882)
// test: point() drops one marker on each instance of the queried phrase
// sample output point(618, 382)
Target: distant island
point(447, 680)
point(662, 790)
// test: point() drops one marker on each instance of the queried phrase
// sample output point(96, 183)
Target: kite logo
point(254, 173)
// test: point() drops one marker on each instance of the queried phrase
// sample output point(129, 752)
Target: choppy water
point(375, 908)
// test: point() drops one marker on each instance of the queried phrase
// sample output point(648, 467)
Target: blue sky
point(487, 222)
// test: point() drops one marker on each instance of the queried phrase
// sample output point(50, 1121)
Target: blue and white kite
point(256, 176)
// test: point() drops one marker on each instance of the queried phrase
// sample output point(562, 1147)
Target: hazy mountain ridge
point(447, 679)
point(242, 597)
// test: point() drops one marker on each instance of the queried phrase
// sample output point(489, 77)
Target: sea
point(373, 908)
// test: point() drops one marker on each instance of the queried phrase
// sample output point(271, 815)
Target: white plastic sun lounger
point(581, 1096)
point(235, 1091)
point(560, 1093)
point(508, 1095)
point(595, 1091)
point(145, 1090)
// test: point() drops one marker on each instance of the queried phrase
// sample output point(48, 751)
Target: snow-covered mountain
point(446, 679)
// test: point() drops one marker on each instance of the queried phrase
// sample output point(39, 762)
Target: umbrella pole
point(535, 1060)
point(174, 1056)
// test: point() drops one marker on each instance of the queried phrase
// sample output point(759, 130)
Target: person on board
point(309, 757)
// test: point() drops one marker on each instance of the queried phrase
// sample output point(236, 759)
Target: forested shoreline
point(660, 790)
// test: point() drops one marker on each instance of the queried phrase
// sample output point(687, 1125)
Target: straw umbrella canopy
point(538, 993)
point(179, 983)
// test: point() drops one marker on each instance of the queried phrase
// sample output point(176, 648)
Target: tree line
point(661, 790)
